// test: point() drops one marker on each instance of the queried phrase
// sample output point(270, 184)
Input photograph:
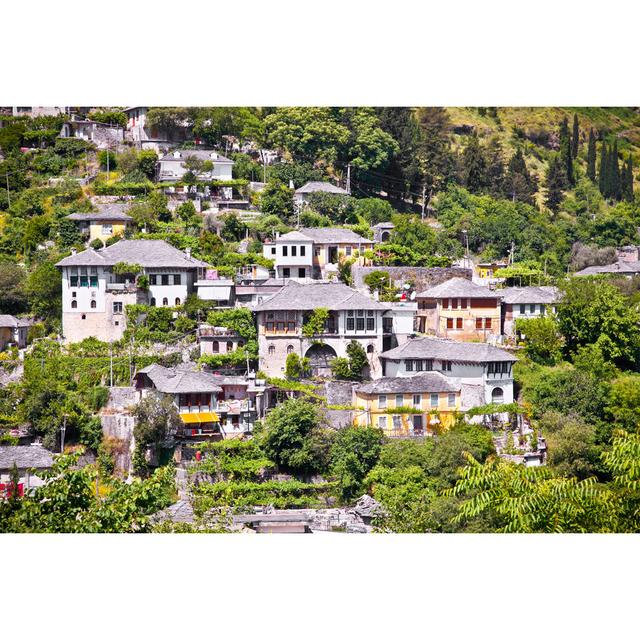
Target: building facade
point(94, 298)
point(110, 220)
point(526, 302)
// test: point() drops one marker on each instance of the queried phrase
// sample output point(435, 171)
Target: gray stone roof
point(146, 253)
point(8, 321)
point(202, 154)
point(294, 236)
point(384, 225)
point(459, 288)
point(26, 457)
point(180, 381)
point(530, 295)
point(440, 349)
point(315, 187)
point(112, 211)
point(334, 234)
point(622, 266)
point(429, 382)
point(306, 297)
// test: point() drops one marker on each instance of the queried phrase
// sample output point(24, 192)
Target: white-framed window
point(451, 400)
point(382, 401)
point(399, 400)
point(117, 307)
point(107, 229)
point(433, 400)
point(347, 251)
point(397, 422)
point(382, 422)
point(408, 365)
point(417, 400)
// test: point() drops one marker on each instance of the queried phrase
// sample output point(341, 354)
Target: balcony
point(208, 331)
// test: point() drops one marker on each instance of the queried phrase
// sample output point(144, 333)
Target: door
point(418, 428)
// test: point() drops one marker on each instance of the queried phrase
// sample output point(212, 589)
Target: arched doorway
point(497, 396)
point(320, 357)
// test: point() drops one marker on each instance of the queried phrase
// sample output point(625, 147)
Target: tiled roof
point(146, 253)
point(326, 187)
point(429, 382)
point(306, 297)
point(622, 266)
point(202, 154)
point(459, 288)
point(440, 349)
point(113, 211)
point(181, 381)
point(8, 321)
point(530, 295)
point(25, 457)
point(334, 234)
point(294, 236)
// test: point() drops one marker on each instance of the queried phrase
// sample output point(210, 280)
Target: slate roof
point(306, 297)
point(429, 382)
point(441, 349)
point(315, 187)
point(459, 288)
point(181, 381)
point(146, 253)
point(25, 457)
point(334, 234)
point(8, 321)
point(112, 211)
point(202, 154)
point(530, 295)
point(622, 266)
point(294, 236)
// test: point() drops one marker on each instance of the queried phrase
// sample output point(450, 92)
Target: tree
point(591, 156)
point(289, 436)
point(542, 339)
point(474, 168)
point(12, 296)
point(434, 147)
point(614, 173)
point(296, 367)
point(520, 184)
point(314, 324)
point(603, 180)
point(627, 180)
point(353, 454)
point(575, 138)
point(565, 151)
point(556, 183)
point(44, 293)
point(495, 172)
point(234, 229)
point(339, 208)
point(352, 367)
point(276, 199)
point(380, 281)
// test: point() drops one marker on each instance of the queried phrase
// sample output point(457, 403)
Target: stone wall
point(118, 422)
point(422, 277)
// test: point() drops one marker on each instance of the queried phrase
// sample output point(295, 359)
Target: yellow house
point(110, 220)
point(418, 405)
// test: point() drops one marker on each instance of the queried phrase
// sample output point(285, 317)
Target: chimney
point(188, 252)
point(73, 251)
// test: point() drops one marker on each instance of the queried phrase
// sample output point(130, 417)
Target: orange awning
point(199, 418)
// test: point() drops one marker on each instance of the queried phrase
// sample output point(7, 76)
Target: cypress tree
point(575, 139)
point(614, 173)
point(627, 180)
point(556, 182)
point(474, 166)
point(602, 171)
point(591, 157)
point(519, 183)
point(565, 150)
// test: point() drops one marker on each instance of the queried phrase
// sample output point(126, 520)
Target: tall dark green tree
point(434, 149)
point(519, 183)
point(603, 180)
point(474, 168)
point(575, 138)
point(614, 173)
point(556, 180)
point(626, 180)
point(565, 150)
point(495, 168)
point(591, 156)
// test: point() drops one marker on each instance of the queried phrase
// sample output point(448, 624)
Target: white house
point(526, 302)
point(94, 297)
point(301, 195)
point(151, 137)
point(484, 371)
point(104, 136)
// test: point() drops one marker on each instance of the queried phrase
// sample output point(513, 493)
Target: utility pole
point(63, 428)
point(348, 189)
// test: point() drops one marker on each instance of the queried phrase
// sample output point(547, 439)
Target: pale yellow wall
point(320, 261)
point(95, 230)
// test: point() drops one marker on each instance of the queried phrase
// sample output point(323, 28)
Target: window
point(458, 323)
point(382, 422)
point(532, 308)
point(177, 302)
point(463, 303)
point(93, 304)
point(73, 281)
point(451, 400)
point(359, 324)
point(497, 396)
point(117, 323)
point(93, 281)
point(285, 251)
point(449, 323)
point(165, 279)
point(107, 229)
point(523, 309)
point(294, 251)
point(84, 316)
point(165, 302)
point(417, 400)
point(273, 251)
point(418, 365)
point(272, 350)
point(303, 250)
point(73, 294)
point(370, 348)
point(286, 272)
point(302, 272)
point(445, 365)
point(397, 423)
point(74, 304)
point(371, 324)
point(408, 365)
point(117, 307)
point(289, 348)
point(382, 402)
point(84, 281)
point(350, 324)
point(229, 346)
point(454, 303)
point(153, 279)
point(487, 323)
point(433, 400)
point(215, 346)
point(399, 399)
point(317, 251)
point(177, 278)
point(347, 251)
point(153, 302)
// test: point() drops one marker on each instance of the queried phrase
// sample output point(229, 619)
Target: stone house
point(94, 297)
point(382, 231)
point(526, 302)
point(461, 310)
point(147, 137)
point(218, 340)
point(314, 253)
point(352, 316)
point(301, 195)
point(102, 135)
point(108, 221)
point(29, 459)
point(13, 331)
point(483, 371)
point(171, 167)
